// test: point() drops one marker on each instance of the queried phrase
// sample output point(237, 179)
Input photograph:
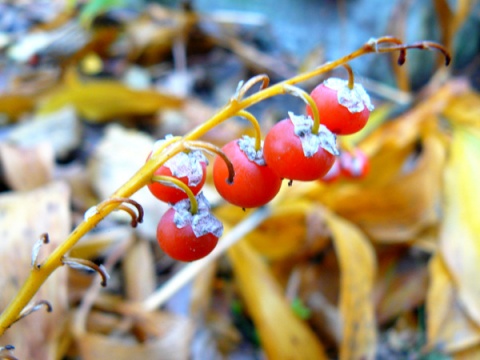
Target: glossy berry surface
point(171, 194)
point(181, 243)
point(342, 110)
point(284, 153)
point(254, 185)
point(354, 164)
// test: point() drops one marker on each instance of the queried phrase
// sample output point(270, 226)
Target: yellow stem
point(250, 83)
point(181, 185)
point(351, 77)
point(296, 91)
point(258, 132)
point(202, 145)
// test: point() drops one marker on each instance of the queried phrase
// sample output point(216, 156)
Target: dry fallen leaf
point(357, 273)
point(402, 283)
point(174, 334)
point(283, 335)
point(27, 168)
point(449, 327)
point(103, 100)
point(460, 230)
point(395, 209)
point(24, 217)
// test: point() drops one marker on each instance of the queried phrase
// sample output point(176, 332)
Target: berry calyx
point(293, 152)
point(342, 110)
point(185, 236)
point(254, 183)
point(188, 167)
point(354, 164)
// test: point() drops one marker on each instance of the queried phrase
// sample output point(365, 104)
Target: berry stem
point(258, 132)
point(244, 87)
point(202, 145)
point(296, 91)
point(351, 77)
point(170, 180)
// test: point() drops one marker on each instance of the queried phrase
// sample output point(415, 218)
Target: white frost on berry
point(312, 142)
point(188, 165)
point(203, 222)
point(184, 164)
point(355, 100)
point(247, 145)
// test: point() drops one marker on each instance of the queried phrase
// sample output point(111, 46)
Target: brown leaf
point(27, 168)
point(25, 216)
point(451, 21)
point(401, 285)
point(139, 271)
point(171, 343)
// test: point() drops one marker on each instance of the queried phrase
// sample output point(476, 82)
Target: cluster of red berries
point(350, 165)
point(292, 150)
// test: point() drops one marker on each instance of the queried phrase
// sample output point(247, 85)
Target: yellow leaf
point(464, 110)
point(357, 271)
point(282, 333)
point(283, 233)
point(106, 100)
point(393, 205)
point(460, 230)
point(449, 327)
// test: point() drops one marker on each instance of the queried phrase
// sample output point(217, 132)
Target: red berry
point(354, 165)
point(294, 153)
point(342, 110)
point(254, 184)
point(187, 237)
point(189, 168)
point(333, 174)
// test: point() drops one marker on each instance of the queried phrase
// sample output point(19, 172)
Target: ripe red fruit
point(254, 184)
point(187, 237)
point(333, 174)
point(189, 168)
point(342, 110)
point(354, 165)
point(294, 153)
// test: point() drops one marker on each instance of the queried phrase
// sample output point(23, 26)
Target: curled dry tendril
point(394, 44)
point(136, 217)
